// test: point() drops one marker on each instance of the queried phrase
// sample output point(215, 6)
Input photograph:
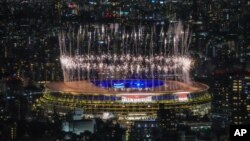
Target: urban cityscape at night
point(124, 70)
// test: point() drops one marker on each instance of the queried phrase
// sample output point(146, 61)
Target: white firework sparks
point(104, 52)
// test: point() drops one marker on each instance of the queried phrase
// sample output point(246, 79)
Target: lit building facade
point(230, 103)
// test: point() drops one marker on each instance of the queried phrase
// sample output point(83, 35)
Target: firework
point(113, 52)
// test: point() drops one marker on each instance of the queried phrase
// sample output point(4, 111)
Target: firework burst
point(114, 52)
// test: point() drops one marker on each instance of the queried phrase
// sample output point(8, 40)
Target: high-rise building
point(13, 131)
point(231, 98)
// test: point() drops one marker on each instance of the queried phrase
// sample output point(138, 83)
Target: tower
point(231, 98)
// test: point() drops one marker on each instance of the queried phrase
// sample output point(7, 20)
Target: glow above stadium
point(120, 53)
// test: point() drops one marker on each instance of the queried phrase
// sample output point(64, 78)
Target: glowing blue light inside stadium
point(118, 85)
point(130, 83)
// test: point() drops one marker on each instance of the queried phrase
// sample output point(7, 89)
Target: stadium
point(126, 72)
point(130, 104)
